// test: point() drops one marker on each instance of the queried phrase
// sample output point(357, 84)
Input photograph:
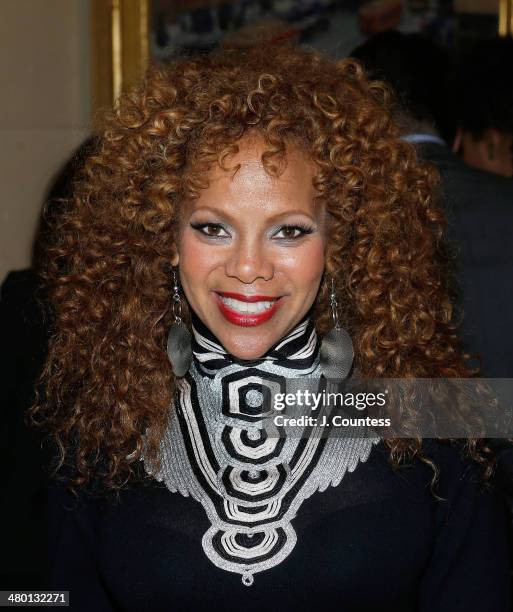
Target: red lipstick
point(247, 319)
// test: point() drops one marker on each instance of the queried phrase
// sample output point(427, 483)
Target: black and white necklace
point(251, 484)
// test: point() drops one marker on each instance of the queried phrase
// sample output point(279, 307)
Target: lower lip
point(246, 319)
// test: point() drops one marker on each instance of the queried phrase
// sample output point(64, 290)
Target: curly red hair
point(107, 379)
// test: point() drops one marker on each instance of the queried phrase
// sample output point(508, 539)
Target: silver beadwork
point(250, 492)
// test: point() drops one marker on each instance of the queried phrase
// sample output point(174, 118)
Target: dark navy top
point(378, 541)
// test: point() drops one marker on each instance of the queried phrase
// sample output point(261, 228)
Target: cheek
point(305, 265)
point(195, 262)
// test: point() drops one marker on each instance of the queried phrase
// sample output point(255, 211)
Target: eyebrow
point(276, 217)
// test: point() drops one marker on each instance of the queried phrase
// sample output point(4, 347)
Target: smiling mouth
point(247, 310)
point(245, 306)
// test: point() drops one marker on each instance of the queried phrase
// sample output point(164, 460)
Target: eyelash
point(304, 229)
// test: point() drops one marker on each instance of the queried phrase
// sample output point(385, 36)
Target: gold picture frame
point(119, 47)
point(505, 17)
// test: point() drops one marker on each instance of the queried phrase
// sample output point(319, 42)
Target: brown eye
point(212, 230)
point(292, 232)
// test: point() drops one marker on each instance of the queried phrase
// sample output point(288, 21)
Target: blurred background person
point(478, 204)
point(483, 106)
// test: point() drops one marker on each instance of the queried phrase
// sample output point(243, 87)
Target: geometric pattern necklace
point(251, 484)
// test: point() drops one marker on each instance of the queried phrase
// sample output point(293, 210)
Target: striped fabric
point(297, 350)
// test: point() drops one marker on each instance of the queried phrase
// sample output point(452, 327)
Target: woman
point(237, 206)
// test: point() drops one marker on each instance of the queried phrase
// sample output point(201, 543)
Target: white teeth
point(246, 307)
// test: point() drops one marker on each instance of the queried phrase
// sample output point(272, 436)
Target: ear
point(175, 258)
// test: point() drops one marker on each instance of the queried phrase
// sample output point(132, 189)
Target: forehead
point(247, 184)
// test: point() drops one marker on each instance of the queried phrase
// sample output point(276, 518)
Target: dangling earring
point(179, 348)
point(337, 347)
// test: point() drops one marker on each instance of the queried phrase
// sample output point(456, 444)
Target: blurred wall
point(44, 110)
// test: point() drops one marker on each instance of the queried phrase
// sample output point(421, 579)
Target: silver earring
point(179, 348)
point(336, 351)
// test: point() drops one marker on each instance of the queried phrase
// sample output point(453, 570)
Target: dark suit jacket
point(479, 208)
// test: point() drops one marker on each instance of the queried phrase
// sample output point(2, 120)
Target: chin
point(242, 347)
point(245, 356)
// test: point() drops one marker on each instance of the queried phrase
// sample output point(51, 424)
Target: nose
point(248, 261)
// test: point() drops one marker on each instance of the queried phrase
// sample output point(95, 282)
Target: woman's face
point(251, 250)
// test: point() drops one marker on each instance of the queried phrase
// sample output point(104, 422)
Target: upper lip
point(248, 298)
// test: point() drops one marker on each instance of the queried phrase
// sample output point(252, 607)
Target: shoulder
point(70, 499)
point(464, 493)
point(453, 463)
point(95, 497)
point(458, 477)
